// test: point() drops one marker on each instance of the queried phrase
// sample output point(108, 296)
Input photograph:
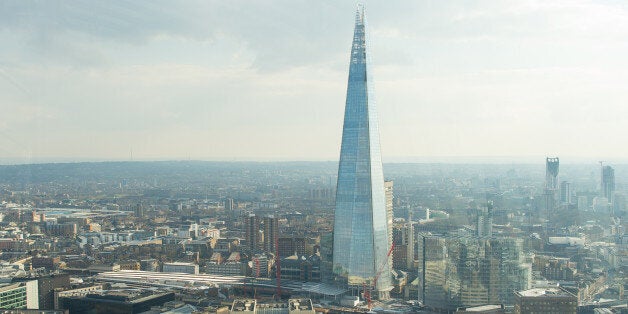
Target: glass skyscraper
point(361, 235)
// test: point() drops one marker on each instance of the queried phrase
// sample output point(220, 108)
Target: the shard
point(361, 241)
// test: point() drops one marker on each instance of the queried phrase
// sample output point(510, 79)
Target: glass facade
point(360, 231)
point(464, 271)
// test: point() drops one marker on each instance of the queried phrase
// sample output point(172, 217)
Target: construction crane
point(367, 293)
point(256, 276)
point(278, 268)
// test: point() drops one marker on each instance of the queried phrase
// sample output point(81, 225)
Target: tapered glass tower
point(361, 228)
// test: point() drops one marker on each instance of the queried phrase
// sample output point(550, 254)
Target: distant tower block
point(551, 173)
point(565, 193)
point(608, 182)
point(550, 193)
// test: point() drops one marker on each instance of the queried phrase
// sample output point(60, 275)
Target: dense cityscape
point(354, 235)
point(465, 235)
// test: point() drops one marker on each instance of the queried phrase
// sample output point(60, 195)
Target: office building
point(464, 271)
point(545, 300)
point(46, 285)
point(361, 232)
point(608, 183)
point(20, 295)
point(301, 268)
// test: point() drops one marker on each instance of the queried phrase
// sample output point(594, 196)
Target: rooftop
point(544, 292)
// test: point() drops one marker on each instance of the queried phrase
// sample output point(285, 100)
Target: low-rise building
point(177, 267)
point(545, 300)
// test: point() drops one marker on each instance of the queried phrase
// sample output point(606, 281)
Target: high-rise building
point(361, 240)
point(608, 183)
point(551, 173)
point(229, 204)
point(271, 233)
point(484, 223)
point(252, 232)
point(462, 271)
point(565, 192)
point(550, 193)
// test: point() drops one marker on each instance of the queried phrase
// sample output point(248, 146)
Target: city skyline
point(85, 81)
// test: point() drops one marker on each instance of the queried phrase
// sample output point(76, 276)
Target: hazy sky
point(247, 80)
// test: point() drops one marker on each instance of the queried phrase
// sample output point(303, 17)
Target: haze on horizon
point(242, 80)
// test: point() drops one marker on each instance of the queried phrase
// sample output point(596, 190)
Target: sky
point(266, 80)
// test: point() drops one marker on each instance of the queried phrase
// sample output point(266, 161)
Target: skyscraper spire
point(361, 228)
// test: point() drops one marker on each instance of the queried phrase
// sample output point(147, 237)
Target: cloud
point(263, 78)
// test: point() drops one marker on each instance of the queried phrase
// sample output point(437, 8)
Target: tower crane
point(367, 293)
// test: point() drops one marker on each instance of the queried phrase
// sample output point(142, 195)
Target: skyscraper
point(551, 173)
point(361, 239)
point(550, 193)
point(608, 182)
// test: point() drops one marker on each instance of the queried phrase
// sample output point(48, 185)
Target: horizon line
point(393, 160)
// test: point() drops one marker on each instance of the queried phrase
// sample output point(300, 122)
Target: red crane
point(278, 268)
point(256, 275)
point(367, 293)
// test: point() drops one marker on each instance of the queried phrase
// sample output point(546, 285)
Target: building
point(403, 253)
point(289, 246)
point(186, 268)
point(293, 306)
point(464, 271)
point(229, 204)
point(608, 183)
point(550, 193)
point(62, 229)
point(484, 222)
point(483, 309)
point(361, 241)
point(150, 264)
point(46, 285)
point(565, 192)
point(545, 300)
point(232, 266)
point(81, 291)
point(261, 265)
point(271, 233)
point(21, 295)
point(551, 173)
point(47, 262)
point(301, 268)
point(118, 301)
point(252, 233)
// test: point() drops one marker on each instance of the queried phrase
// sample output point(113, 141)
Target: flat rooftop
point(544, 292)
